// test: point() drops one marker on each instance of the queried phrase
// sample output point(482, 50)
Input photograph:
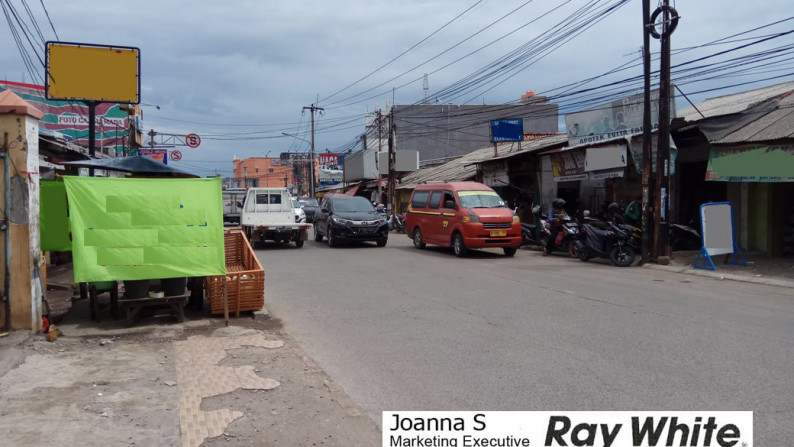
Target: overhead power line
point(454, 19)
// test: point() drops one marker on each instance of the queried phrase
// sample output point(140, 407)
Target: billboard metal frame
point(49, 78)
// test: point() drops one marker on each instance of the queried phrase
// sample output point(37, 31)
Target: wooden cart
point(245, 277)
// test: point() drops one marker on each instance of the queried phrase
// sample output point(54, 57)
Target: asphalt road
point(406, 329)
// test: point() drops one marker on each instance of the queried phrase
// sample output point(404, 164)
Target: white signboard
point(605, 157)
point(405, 161)
point(716, 221)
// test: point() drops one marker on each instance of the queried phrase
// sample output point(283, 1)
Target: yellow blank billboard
point(88, 72)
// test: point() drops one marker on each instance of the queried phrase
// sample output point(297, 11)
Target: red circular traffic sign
point(192, 140)
point(176, 155)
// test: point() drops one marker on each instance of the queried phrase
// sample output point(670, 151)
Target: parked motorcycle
point(569, 232)
point(611, 243)
point(532, 232)
point(684, 237)
point(397, 222)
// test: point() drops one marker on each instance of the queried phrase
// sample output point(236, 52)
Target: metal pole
point(647, 145)
point(91, 132)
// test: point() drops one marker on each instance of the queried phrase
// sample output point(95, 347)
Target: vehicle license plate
point(499, 233)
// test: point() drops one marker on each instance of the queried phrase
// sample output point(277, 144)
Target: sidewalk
point(760, 269)
point(161, 383)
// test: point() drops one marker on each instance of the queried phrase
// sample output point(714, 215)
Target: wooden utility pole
point(647, 144)
point(392, 164)
point(668, 24)
point(313, 109)
point(377, 157)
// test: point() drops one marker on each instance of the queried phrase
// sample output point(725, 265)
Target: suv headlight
point(342, 221)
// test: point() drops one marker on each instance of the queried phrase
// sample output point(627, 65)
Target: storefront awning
point(766, 164)
point(352, 191)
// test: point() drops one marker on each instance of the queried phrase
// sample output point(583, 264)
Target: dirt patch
point(79, 392)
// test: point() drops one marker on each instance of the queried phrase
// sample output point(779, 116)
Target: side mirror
point(450, 204)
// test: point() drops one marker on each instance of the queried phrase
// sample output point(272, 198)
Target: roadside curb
point(722, 276)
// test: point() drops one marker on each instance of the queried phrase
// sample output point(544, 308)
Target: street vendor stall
point(150, 233)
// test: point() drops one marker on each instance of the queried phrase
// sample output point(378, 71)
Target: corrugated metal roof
point(725, 105)
point(529, 146)
point(454, 171)
point(464, 168)
point(775, 125)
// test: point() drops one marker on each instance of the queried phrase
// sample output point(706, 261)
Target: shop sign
point(568, 165)
point(617, 119)
point(765, 164)
point(69, 119)
point(506, 130)
point(160, 155)
point(610, 173)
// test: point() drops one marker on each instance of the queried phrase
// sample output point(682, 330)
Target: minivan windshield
point(480, 199)
point(309, 202)
point(353, 205)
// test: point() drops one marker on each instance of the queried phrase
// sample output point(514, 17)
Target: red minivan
point(462, 215)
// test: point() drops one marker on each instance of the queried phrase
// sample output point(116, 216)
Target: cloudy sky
point(238, 73)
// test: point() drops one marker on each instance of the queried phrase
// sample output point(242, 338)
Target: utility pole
point(668, 24)
point(380, 148)
point(647, 144)
point(152, 133)
point(392, 164)
point(313, 109)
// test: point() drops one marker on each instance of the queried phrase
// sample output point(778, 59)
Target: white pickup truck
point(268, 215)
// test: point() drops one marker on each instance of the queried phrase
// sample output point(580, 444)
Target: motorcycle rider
point(614, 213)
point(556, 217)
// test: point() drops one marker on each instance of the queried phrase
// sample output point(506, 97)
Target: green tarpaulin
point(143, 228)
point(751, 164)
point(53, 216)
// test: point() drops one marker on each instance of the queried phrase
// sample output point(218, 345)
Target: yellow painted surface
point(93, 73)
